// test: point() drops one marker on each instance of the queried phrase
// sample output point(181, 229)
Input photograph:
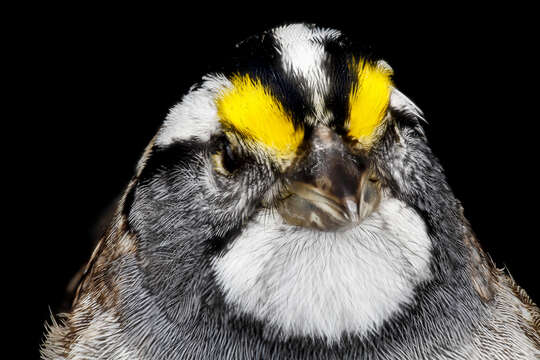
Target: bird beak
point(329, 189)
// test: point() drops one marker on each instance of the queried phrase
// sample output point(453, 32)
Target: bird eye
point(225, 159)
point(230, 159)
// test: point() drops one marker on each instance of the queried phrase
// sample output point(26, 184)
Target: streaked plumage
point(291, 208)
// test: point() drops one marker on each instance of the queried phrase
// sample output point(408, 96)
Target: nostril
point(324, 183)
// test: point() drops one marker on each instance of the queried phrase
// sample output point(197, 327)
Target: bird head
point(294, 189)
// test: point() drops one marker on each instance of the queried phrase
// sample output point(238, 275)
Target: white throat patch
point(322, 285)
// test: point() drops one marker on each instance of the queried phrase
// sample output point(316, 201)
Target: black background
point(96, 84)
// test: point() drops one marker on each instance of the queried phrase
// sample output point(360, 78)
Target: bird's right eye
point(230, 158)
point(226, 160)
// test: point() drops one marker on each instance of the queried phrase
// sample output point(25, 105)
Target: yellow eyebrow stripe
point(368, 100)
point(252, 111)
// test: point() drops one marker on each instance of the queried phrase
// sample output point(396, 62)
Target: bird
point(290, 207)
